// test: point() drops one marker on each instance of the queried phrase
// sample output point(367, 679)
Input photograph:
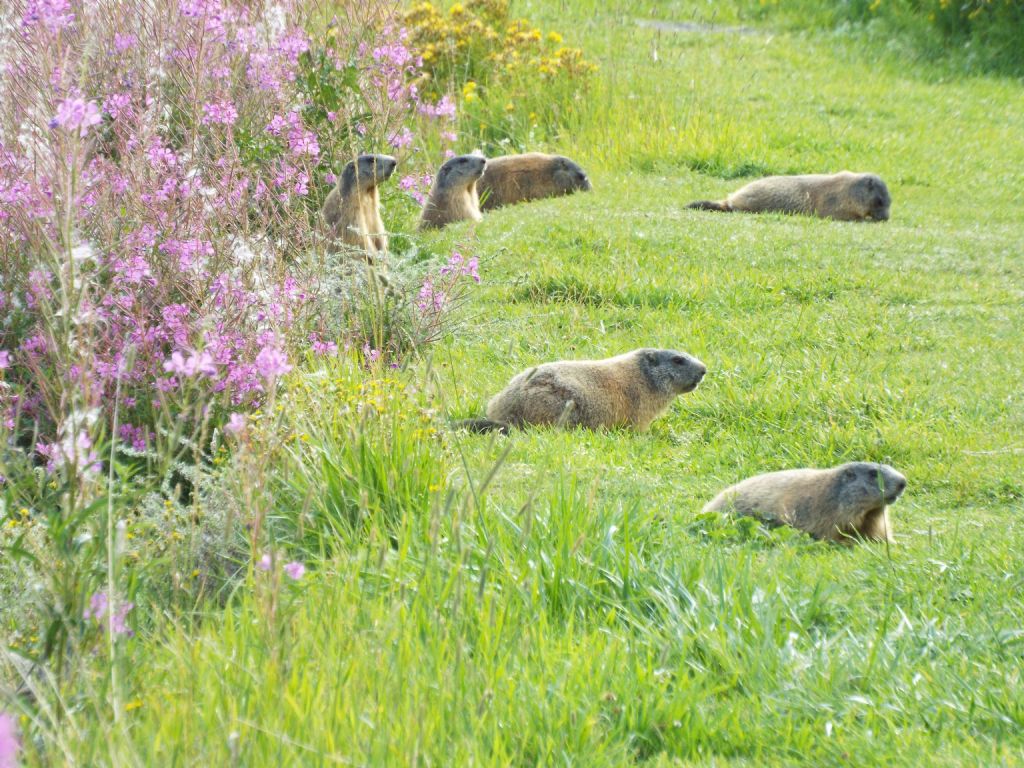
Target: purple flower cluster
point(99, 605)
point(293, 570)
point(135, 228)
point(10, 745)
point(76, 114)
point(417, 185)
point(459, 265)
point(151, 233)
point(222, 112)
point(54, 15)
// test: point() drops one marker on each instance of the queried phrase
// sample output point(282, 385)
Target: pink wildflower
point(276, 125)
point(272, 362)
point(197, 362)
point(401, 139)
point(458, 265)
point(222, 112)
point(119, 621)
point(236, 424)
point(71, 451)
point(263, 563)
point(444, 108)
point(370, 355)
point(123, 43)
point(54, 14)
point(5, 359)
point(295, 570)
point(303, 142)
point(430, 298)
point(322, 347)
point(9, 743)
point(98, 605)
point(76, 113)
point(416, 186)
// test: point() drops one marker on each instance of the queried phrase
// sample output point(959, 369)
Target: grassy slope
point(598, 621)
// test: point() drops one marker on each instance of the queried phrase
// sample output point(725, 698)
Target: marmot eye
point(679, 360)
point(873, 474)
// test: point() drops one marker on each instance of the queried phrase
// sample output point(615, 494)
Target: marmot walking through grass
point(629, 390)
point(352, 209)
point(531, 176)
point(840, 504)
point(454, 195)
point(841, 196)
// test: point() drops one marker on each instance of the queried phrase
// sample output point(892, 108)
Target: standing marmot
point(627, 390)
point(842, 196)
point(352, 209)
point(839, 504)
point(518, 178)
point(453, 196)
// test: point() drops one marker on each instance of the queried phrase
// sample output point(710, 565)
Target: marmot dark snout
point(670, 371)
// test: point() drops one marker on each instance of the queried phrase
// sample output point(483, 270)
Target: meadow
point(557, 598)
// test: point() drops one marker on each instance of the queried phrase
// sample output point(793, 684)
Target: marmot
point(532, 176)
point(454, 196)
point(842, 196)
point(840, 504)
point(352, 209)
point(629, 390)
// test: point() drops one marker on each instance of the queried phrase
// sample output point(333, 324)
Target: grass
point(577, 609)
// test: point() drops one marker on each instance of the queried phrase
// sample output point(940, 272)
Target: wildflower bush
point(162, 168)
point(517, 84)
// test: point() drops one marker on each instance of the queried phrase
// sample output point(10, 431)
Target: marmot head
point(872, 193)
point(568, 176)
point(366, 172)
point(460, 172)
point(670, 371)
point(864, 485)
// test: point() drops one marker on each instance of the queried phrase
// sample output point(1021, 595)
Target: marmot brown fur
point(531, 176)
point(454, 196)
point(841, 504)
point(841, 196)
point(629, 390)
point(352, 209)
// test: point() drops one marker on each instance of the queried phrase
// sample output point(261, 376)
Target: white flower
point(82, 252)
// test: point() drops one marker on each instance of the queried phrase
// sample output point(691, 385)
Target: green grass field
point(574, 607)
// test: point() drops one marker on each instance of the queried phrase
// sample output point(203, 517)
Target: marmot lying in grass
point(352, 209)
point(629, 390)
point(532, 176)
point(454, 196)
point(841, 196)
point(841, 504)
